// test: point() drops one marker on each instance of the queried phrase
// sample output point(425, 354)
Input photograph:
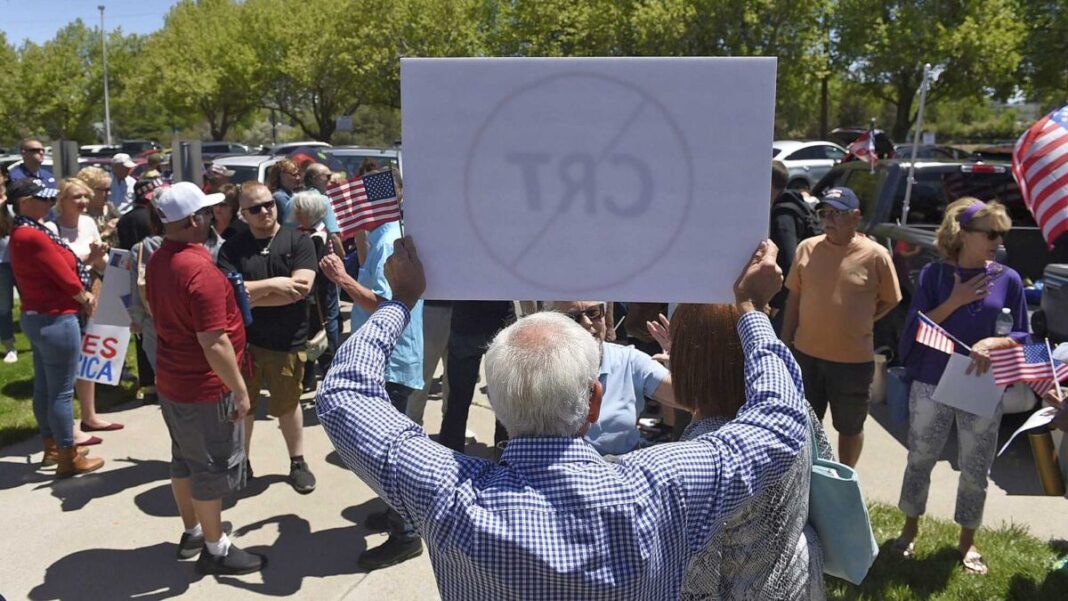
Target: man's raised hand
point(760, 280)
point(404, 272)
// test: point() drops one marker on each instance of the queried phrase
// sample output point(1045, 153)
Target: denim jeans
point(398, 527)
point(56, 340)
point(465, 357)
point(7, 303)
point(332, 322)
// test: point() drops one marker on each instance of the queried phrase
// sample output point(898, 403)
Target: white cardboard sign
point(634, 179)
point(103, 353)
point(115, 291)
point(968, 392)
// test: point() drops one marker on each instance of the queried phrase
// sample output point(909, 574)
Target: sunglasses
point(256, 209)
point(593, 314)
point(34, 150)
point(831, 213)
point(990, 234)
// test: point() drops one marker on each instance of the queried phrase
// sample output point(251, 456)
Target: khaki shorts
point(282, 374)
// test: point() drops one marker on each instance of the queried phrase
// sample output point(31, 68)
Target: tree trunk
point(824, 106)
point(903, 115)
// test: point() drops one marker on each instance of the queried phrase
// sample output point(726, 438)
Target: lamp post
point(107, 104)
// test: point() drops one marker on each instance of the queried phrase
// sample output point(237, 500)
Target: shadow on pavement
point(159, 502)
point(1014, 472)
point(147, 573)
point(76, 493)
point(299, 553)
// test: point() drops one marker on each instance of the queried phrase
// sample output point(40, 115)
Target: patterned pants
point(929, 427)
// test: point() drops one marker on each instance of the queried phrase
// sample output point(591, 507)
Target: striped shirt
point(553, 520)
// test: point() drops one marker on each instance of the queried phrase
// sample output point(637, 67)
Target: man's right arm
point(219, 352)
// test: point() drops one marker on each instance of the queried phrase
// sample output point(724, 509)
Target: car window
point(807, 154)
point(833, 153)
point(775, 152)
point(243, 174)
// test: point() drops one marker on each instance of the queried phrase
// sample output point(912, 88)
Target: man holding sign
point(201, 391)
point(553, 520)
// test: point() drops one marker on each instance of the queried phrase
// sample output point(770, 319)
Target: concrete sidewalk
point(112, 534)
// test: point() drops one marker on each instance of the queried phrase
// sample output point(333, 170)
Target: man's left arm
point(889, 292)
point(653, 380)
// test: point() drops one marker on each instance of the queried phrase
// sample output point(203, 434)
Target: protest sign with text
point(103, 353)
point(641, 179)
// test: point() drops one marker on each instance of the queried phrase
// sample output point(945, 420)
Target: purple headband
point(968, 214)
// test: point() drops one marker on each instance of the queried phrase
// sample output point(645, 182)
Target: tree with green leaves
point(974, 45)
point(11, 98)
point(1044, 68)
point(201, 65)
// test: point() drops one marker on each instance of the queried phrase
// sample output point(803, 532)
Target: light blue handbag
point(837, 511)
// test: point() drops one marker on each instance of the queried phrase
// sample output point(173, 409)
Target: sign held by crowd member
point(644, 179)
point(103, 353)
point(115, 291)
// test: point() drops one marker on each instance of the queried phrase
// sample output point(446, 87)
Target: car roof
point(791, 145)
point(246, 160)
point(364, 150)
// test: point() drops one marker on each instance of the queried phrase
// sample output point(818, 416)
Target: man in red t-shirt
point(201, 391)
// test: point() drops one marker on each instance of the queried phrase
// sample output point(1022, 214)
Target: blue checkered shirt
point(553, 520)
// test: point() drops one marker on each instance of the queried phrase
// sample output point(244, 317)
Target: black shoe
point(235, 562)
point(150, 398)
point(391, 552)
point(301, 478)
point(377, 522)
point(190, 545)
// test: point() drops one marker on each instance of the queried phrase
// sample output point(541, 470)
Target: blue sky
point(38, 20)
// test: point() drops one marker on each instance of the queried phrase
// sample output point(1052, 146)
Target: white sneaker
point(12, 356)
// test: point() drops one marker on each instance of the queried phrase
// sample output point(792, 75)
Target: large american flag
point(1040, 164)
point(931, 334)
point(1027, 363)
point(364, 203)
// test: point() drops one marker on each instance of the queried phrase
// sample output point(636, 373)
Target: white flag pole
point(916, 142)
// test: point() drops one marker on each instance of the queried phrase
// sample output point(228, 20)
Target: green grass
point(1020, 565)
point(16, 391)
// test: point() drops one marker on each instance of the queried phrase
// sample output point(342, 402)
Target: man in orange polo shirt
point(840, 284)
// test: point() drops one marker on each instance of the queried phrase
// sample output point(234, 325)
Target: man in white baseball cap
point(202, 394)
point(122, 184)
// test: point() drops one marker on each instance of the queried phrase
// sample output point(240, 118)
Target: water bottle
point(1004, 322)
point(241, 296)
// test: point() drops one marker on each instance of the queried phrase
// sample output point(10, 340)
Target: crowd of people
point(235, 290)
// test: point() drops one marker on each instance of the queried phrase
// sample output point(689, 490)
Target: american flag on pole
point(864, 148)
point(1040, 164)
point(931, 334)
point(364, 203)
point(1029, 363)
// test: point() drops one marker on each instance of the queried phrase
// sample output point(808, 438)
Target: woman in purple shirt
point(964, 294)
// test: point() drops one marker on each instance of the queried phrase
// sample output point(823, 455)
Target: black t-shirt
point(236, 227)
point(481, 317)
point(283, 328)
point(134, 227)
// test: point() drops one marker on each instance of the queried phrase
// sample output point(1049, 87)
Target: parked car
point(139, 147)
point(807, 161)
point(98, 151)
point(287, 147)
point(352, 156)
point(884, 146)
point(937, 152)
point(252, 167)
point(212, 150)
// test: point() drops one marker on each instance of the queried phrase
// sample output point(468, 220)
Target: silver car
point(807, 162)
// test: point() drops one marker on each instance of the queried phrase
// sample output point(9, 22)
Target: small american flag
point(364, 203)
point(1040, 164)
point(931, 334)
point(864, 148)
point(1026, 363)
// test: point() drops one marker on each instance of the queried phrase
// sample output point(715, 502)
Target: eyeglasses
point(256, 209)
point(831, 213)
point(990, 234)
point(593, 314)
point(34, 150)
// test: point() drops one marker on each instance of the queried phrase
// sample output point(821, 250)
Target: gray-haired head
point(309, 207)
point(540, 372)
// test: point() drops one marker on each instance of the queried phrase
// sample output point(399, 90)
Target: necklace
point(267, 249)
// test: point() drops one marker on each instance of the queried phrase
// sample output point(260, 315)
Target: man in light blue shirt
point(403, 374)
point(122, 183)
point(627, 375)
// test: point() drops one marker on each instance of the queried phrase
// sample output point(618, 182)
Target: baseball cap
point(144, 188)
point(220, 170)
point(842, 199)
point(123, 159)
point(182, 200)
point(29, 186)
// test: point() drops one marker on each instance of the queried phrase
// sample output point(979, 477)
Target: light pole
point(107, 104)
